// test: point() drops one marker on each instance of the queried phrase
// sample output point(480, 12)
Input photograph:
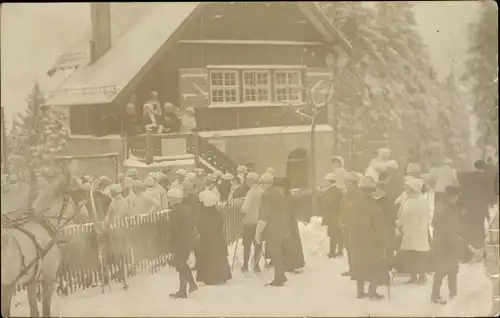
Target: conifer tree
point(482, 73)
point(38, 133)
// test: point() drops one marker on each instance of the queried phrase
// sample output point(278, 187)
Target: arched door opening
point(297, 169)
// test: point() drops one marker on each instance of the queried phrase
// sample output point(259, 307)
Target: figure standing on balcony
point(188, 120)
point(131, 121)
point(171, 121)
point(152, 114)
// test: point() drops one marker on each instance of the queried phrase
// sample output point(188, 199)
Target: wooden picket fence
point(95, 256)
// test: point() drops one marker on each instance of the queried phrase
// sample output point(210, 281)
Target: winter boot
point(179, 295)
point(372, 292)
point(346, 274)
point(360, 288)
point(278, 282)
point(244, 268)
point(439, 301)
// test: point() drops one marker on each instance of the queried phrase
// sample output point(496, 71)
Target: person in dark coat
point(332, 200)
point(273, 222)
point(367, 242)
point(225, 186)
point(446, 242)
point(171, 122)
point(132, 122)
point(474, 199)
point(351, 195)
point(212, 264)
point(182, 239)
point(386, 204)
point(293, 254)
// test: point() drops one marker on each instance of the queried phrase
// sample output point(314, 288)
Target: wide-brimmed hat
point(228, 177)
point(253, 176)
point(131, 172)
point(266, 178)
point(149, 182)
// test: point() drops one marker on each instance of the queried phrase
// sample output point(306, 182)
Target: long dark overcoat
point(331, 218)
point(446, 239)
point(212, 264)
point(367, 241)
point(181, 232)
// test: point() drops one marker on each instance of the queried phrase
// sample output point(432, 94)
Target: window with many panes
point(224, 87)
point(256, 86)
point(287, 86)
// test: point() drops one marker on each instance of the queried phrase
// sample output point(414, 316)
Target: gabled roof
point(139, 32)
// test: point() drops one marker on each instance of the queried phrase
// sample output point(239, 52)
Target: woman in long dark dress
point(293, 255)
point(212, 264)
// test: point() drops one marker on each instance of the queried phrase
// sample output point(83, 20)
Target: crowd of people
point(195, 223)
point(414, 224)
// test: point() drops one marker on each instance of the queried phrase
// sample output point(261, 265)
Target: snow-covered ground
point(319, 290)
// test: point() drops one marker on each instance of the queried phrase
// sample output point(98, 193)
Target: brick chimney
point(101, 29)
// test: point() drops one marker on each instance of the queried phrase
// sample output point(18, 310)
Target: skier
point(250, 210)
point(367, 242)
point(273, 218)
point(352, 194)
point(182, 239)
point(446, 243)
point(333, 198)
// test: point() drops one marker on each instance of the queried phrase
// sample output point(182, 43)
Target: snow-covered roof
point(139, 31)
point(264, 131)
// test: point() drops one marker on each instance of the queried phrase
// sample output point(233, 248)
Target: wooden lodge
point(242, 66)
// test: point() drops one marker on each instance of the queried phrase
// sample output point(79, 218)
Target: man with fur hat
point(333, 198)
point(367, 242)
point(274, 221)
point(352, 194)
point(250, 210)
point(182, 241)
point(446, 244)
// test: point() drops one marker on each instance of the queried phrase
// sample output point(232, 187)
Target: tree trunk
point(313, 162)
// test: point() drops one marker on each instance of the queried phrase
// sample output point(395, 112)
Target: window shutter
point(194, 88)
point(313, 76)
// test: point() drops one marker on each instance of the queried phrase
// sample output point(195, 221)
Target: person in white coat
point(413, 222)
point(118, 207)
point(180, 176)
point(140, 202)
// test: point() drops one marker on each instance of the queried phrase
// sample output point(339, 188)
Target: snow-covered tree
point(38, 133)
point(453, 118)
point(482, 73)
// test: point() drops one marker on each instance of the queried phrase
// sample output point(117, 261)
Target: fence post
point(196, 147)
point(149, 147)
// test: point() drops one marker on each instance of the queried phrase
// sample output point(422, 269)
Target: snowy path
point(319, 291)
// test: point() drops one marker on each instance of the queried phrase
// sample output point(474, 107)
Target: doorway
point(297, 169)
